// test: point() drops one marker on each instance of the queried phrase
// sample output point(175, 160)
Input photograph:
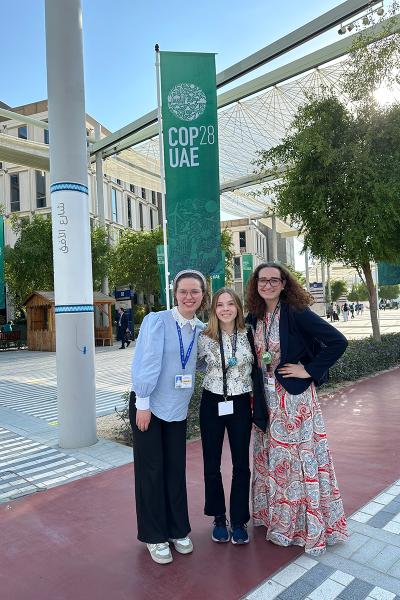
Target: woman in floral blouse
point(225, 349)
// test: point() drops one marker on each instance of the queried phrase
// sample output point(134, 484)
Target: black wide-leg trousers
point(238, 426)
point(160, 478)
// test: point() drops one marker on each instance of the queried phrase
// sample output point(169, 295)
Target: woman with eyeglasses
point(163, 372)
point(294, 489)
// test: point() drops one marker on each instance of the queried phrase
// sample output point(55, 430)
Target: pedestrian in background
point(122, 328)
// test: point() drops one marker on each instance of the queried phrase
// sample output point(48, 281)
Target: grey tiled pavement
point(365, 567)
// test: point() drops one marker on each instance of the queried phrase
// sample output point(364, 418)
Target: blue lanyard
point(184, 358)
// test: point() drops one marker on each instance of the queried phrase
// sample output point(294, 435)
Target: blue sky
point(119, 39)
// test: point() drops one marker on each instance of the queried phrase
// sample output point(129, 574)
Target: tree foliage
point(29, 264)
point(342, 184)
point(338, 289)
point(134, 261)
point(227, 247)
point(389, 292)
point(358, 292)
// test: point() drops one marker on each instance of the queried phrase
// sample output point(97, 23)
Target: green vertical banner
point(218, 279)
point(190, 137)
point(388, 274)
point(161, 272)
point(2, 283)
point(247, 269)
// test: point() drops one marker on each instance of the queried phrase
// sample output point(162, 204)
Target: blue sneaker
point(239, 534)
point(220, 531)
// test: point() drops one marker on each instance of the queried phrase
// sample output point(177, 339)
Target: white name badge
point(271, 384)
point(225, 408)
point(183, 381)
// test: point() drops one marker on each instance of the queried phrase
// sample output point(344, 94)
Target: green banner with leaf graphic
point(247, 269)
point(218, 279)
point(190, 136)
point(2, 284)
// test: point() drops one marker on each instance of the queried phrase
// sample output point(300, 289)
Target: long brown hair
point(212, 328)
point(293, 294)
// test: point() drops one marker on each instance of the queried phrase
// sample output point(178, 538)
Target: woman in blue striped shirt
point(163, 372)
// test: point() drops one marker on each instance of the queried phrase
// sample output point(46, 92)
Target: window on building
point(132, 188)
point(153, 198)
point(40, 189)
point(151, 219)
point(141, 216)
point(14, 192)
point(129, 206)
point(242, 239)
point(1, 166)
point(237, 270)
point(119, 182)
point(159, 198)
point(46, 136)
point(144, 193)
point(114, 208)
point(23, 132)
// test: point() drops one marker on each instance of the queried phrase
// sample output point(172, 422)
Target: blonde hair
point(213, 323)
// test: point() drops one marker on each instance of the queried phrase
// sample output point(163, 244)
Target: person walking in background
point(295, 492)
point(352, 310)
point(163, 373)
point(345, 312)
point(122, 328)
point(225, 405)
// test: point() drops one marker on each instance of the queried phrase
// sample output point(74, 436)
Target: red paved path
point(77, 541)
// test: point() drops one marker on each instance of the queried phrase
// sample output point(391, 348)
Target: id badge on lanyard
point(184, 380)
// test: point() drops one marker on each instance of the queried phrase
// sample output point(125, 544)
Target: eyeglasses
point(273, 282)
point(193, 293)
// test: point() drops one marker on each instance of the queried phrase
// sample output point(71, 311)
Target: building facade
point(252, 245)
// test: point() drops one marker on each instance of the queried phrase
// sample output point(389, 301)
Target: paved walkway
point(77, 541)
point(360, 326)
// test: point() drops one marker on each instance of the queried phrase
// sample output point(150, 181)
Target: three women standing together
point(264, 372)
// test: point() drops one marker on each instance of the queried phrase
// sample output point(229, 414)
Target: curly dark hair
point(293, 294)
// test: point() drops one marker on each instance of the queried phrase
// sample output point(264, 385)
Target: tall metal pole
point(162, 175)
point(71, 231)
point(307, 268)
point(100, 195)
point(323, 285)
point(274, 239)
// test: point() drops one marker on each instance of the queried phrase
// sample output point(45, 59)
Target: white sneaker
point(183, 545)
point(160, 553)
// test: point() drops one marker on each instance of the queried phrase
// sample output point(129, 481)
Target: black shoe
point(127, 343)
point(220, 533)
point(121, 348)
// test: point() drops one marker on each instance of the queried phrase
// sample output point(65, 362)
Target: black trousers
point(238, 426)
point(160, 479)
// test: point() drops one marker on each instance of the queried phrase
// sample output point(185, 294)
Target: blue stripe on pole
point(69, 186)
point(74, 308)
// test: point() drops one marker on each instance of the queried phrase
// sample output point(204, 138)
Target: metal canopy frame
point(123, 138)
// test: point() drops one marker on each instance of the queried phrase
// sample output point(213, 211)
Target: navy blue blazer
point(299, 333)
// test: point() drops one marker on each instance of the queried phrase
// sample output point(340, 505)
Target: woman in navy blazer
point(295, 492)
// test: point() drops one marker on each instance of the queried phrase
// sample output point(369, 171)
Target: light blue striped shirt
point(157, 360)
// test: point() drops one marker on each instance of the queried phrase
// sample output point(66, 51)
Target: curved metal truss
point(255, 124)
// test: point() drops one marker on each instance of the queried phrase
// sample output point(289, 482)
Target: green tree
point(29, 264)
point(227, 247)
point(299, 276)
point(389, 292)
point(134, 261)
point(338, 288)
point(358, 292)
point(342, 184)
point(101, 255)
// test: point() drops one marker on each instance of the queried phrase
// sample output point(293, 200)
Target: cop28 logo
point(187, 101)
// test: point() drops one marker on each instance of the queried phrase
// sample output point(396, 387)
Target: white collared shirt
point(182, 320)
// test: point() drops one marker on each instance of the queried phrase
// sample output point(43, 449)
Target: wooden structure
point(41, 327)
